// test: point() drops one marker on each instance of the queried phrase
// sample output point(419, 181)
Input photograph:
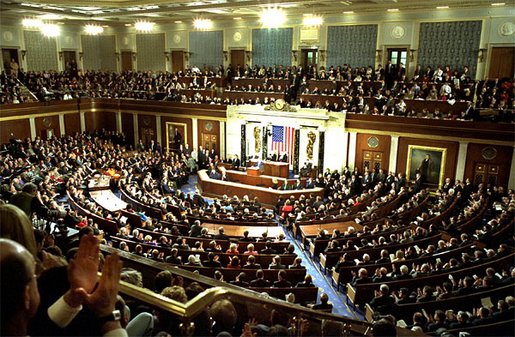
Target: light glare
point(93, 29)
point(144, 26)
point(202, 24)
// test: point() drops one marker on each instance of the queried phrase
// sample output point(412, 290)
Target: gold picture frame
point(170, 131)
point(436, 168)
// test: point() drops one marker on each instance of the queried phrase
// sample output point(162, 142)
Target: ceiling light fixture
point(442, 7)
point(177, 21)
point(348, 12)
point(93, 29)
point(392, 9)
point(272, 17)
point(203, 24)
point(498, 4)
point(144, 26)
point(32, 23)
point(312, 21)
point(237, 18)
point(50, 30)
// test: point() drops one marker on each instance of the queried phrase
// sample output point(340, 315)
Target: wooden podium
point(253, 171)
point(277, 169)
point(271, 168)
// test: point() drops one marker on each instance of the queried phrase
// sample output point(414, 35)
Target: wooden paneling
point(72, 123)
point(128, 127)
point(177, 60)
point(503, 158)
point(502, 62)
point(437, 127)
point(147, 128)
point(44, 124)
point(383, 146)
point(209, 133)
point(127, 61)
point(451, 159)
point(20, 129)
point(189, 132)
point(237, 57)
point(97, 120)
point(109, 121)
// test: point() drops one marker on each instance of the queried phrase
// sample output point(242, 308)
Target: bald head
point(20, 296)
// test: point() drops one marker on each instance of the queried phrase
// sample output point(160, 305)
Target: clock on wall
point(208, 126)
point(279, 104)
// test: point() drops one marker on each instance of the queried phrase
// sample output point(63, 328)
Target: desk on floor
point(99, 182)
point(308, 231)
point(108, 200)
point(267, 196)
point(273, 168)
point(256, 180)
point(237, 231)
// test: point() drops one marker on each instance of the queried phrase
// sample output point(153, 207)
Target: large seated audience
point(414, 248)
point(356, 90)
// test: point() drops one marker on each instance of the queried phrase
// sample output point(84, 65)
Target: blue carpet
point(323, 282)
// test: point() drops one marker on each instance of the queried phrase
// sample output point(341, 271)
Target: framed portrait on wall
point(429, 162)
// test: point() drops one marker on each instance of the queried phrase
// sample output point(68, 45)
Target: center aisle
point(319, 279)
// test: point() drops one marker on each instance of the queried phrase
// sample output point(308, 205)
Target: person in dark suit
point(212, 261)
point(281, 282)
point(284, 158)
point(268, 249)
point(276, 263)
point(324, 303)
point(383, 302)
point(400, 182)
point(389, 74)
point(221, 235)
point(251, 263)
point(27, 200)
point(241, 280)
point(236, 162)
point(260, 281)
point(308, 282)
point(418, 183)
point(195, 229)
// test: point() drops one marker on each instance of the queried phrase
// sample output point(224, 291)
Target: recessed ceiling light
point(177, 21)
point(498, 4)
point(442, 7)
point(348, 12)
point(50, 30)
point(313, 21)
point(31, 23)
point(392, 9)
point(203, 24)
point(144, 26)
point(272, 17)
point(237, 18)
point(93, 29)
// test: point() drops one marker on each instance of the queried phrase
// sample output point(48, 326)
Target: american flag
point(283, 140)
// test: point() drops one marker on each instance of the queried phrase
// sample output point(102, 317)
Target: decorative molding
point(398, 32)
point(506, 29)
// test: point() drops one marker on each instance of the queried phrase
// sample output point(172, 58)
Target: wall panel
point(354, 45)
point(476, 153)
point(43, 124)
point(449, 43)
point(72, 123)
point(272, 46)
point(99, 52)
point(128, 127)
point(41, 51)
point(147, 128)
point(150, 49)
point(383, 146)
point(206, 48)
point(20, 129)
